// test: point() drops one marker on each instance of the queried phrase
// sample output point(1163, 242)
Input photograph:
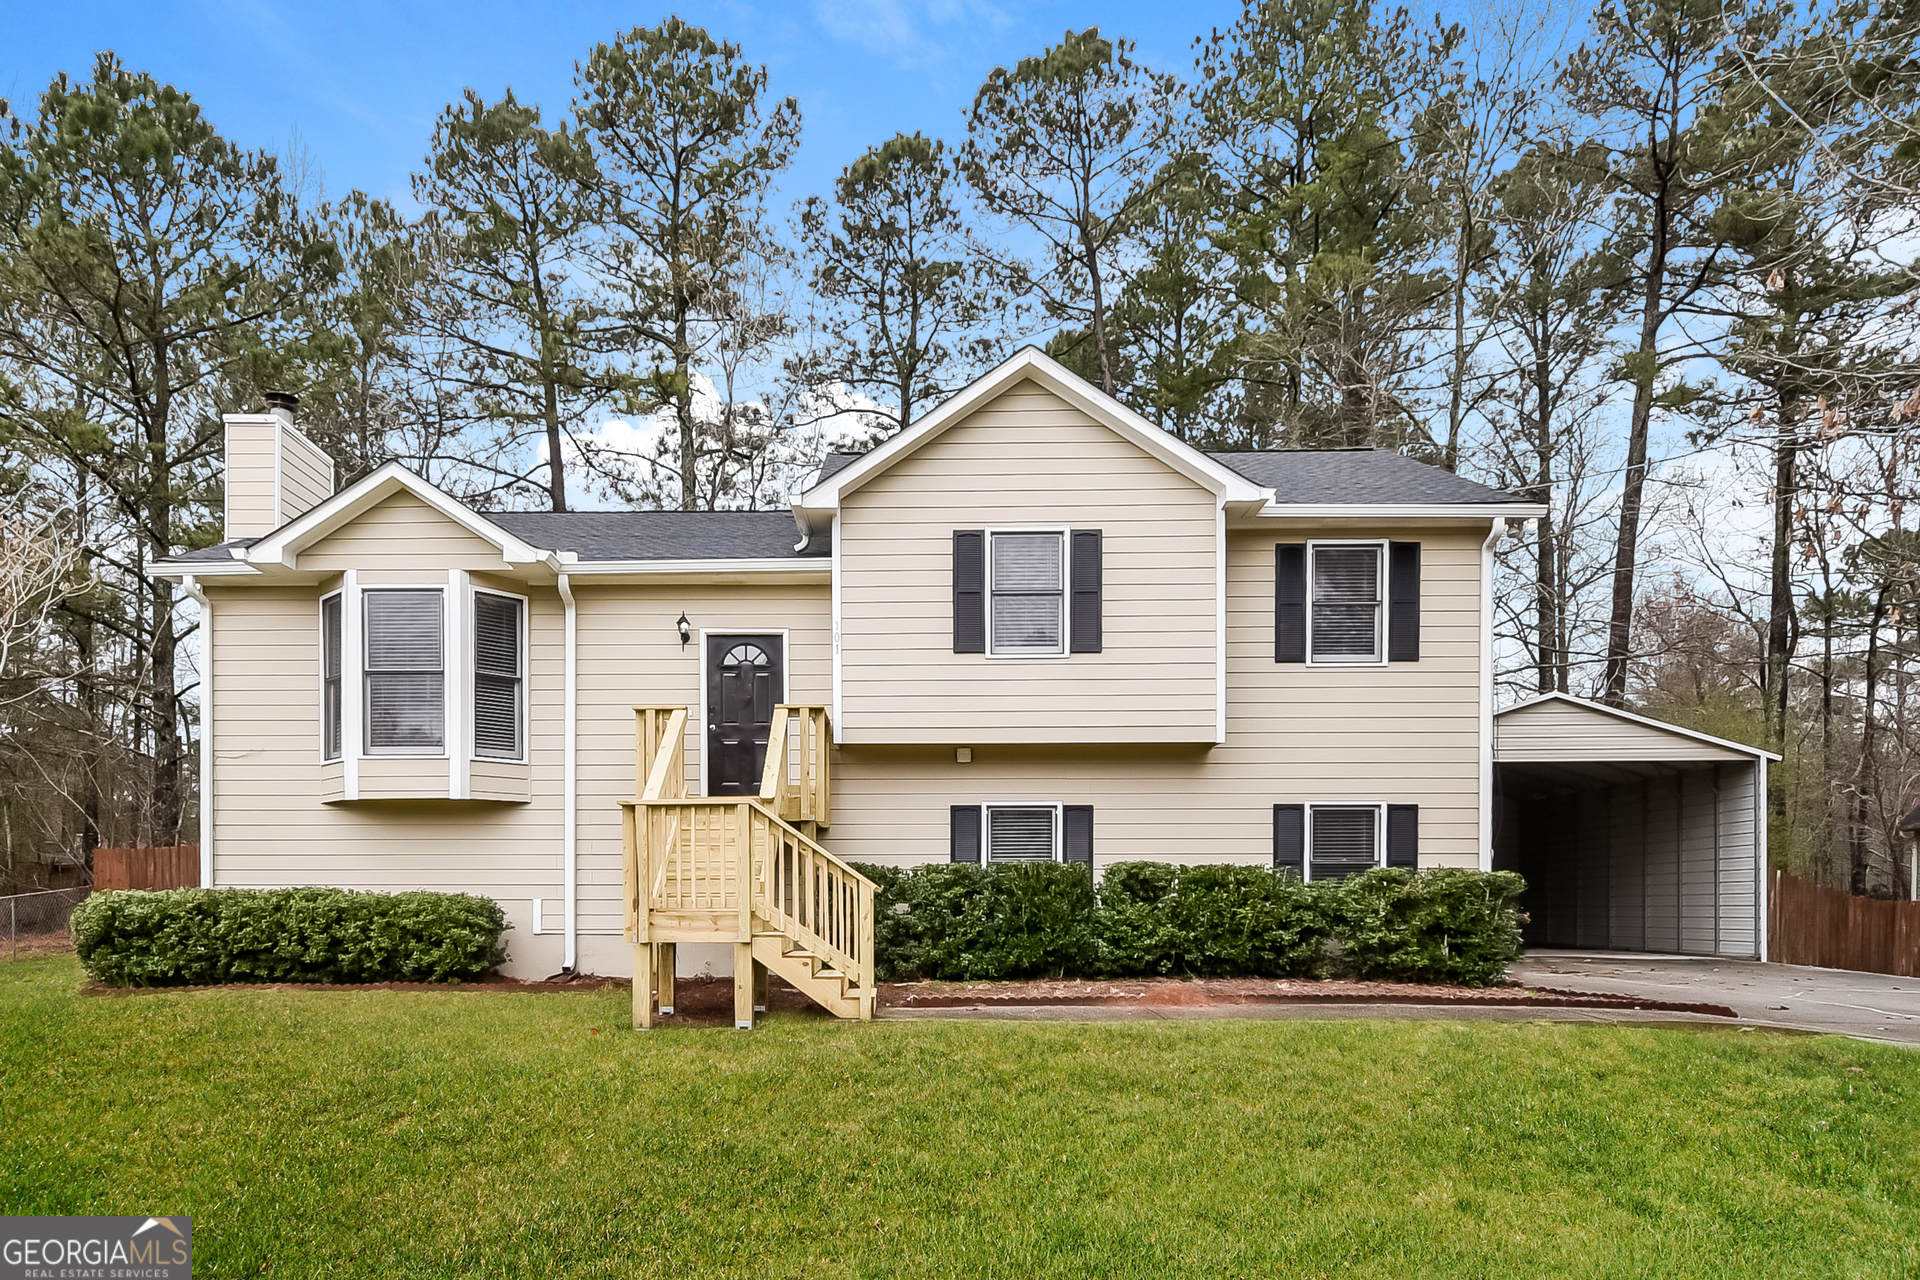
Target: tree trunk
point(1633, 486)
point(1780, 629)
point(1863, 772)
point(1456, 401)
point(556, 470)
point(683, 405)
point(1547, 603)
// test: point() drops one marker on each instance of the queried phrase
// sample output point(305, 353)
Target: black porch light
point(686, 629)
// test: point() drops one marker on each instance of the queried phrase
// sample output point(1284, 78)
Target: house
point(1033, 626)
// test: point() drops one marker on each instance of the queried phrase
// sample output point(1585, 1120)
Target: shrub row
point(179, 937)
point(971, 923)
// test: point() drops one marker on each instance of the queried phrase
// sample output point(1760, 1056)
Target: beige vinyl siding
point(306, 475)
point(401, 540)
point(1560, 731)
point(273, 474)
point(1028, 460)
point(1405, 733)
point(248, 479)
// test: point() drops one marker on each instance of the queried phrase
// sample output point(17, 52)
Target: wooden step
point(827, 991)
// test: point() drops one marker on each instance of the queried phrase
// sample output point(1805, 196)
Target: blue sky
point(359, 85)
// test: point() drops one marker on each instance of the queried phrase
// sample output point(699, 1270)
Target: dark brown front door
point(745, 678)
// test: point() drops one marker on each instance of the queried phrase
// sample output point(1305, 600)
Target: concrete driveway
point(1871, 1006)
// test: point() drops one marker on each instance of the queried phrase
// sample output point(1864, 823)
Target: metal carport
point(1633, 835)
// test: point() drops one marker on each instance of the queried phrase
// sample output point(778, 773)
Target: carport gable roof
point(1559, 738)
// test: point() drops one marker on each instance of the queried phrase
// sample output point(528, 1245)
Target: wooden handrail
point(799, 740)
point(659, 750)
point(815, 898)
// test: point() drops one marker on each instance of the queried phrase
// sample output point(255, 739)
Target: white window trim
point(1379, 830)
point(701, 673)
point(1066, 593)
point(449, 670)
point(526, 673)
point(1386, 602)
point(1059, 825)
point(320, 620)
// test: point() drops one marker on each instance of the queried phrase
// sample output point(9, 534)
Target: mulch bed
point(1207, 992)
point(708, 1001)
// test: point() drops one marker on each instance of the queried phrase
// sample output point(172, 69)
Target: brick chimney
point(274, 474)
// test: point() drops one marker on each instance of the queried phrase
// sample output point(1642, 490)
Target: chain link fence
point(36, 923)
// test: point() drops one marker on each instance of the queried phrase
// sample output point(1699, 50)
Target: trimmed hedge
point(962, 922)
point(193, 937)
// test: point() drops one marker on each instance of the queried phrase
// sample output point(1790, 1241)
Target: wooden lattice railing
point(687, 859)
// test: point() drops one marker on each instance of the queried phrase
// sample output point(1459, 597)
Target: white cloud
point(913, 33)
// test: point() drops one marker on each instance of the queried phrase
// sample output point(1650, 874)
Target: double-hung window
point(332, 610)
point(1345, 601)
point(400, 679)
point(405, 671)
point(499, 684)
point(1026, 591)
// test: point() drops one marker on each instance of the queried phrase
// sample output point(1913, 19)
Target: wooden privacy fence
point(1834, 930)
point(166, 867)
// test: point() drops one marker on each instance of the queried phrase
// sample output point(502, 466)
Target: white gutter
point(1486, 693)
point(1502, 511)
point(570, 702)
point(199, 596)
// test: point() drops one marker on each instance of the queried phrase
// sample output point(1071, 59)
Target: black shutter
point(1076, 836)
point(1290, 838)
point(1086, 591)
point(1403, 834)
point(970, 595)
point(1403, 602)
point(1290, 602)
point(964, 831)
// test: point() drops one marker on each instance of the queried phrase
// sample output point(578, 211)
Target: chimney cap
point(282, 400)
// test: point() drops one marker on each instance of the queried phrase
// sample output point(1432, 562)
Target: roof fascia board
point(1029, 362)
point(1401, 510)
point(1589, 705)
point(781, 568)
point(174, 570)
point(283, 545)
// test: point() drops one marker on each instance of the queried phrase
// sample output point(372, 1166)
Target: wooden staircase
point(748, 871)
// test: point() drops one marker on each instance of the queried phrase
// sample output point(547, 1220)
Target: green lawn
point(386, 1134)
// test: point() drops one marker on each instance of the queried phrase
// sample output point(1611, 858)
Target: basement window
point(1342, 840)
point(1023, 833)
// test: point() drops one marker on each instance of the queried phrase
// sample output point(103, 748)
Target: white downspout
point(569, 784)
point(192, 588)
point(1486, 692)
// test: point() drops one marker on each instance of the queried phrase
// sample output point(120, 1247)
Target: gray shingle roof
point(662, 535)
point(218, 554)
point(1356, 475)
point(1296, 475)
point(836, 462)
point(1326, 476)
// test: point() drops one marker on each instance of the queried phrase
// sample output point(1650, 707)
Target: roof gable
point(1559, 726)
point(283, 546)
point(1031, 364)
